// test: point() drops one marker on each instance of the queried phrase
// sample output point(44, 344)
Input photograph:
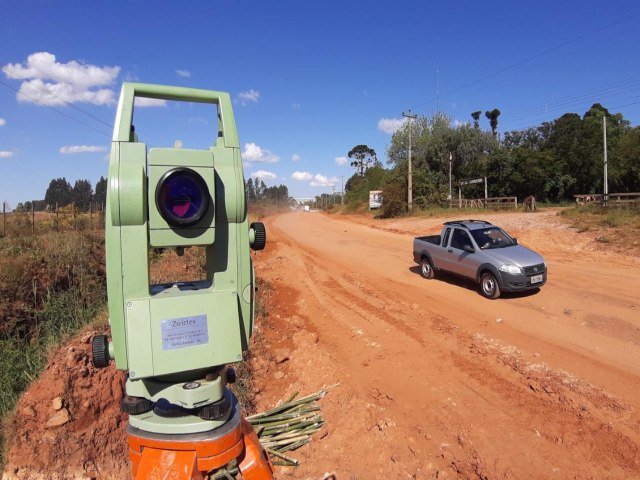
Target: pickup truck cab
point(483, 252)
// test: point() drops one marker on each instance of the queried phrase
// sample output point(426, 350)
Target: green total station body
point(176, 339)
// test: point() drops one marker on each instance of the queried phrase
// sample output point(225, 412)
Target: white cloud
point(49, 82)
point(323, 181)
point(250, 96)
point(390, 125)
point(294, 158)
point(149, 102)
point(317, 180)
point(246, 165)
point(81, 149)
point(183, 73)
point(2, 122)
point(264, 175)
point(253, 153)
point(198, 121)
point(5, 154)
point(341, 161)
point(301, 176)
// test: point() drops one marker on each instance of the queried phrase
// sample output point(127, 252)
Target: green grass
point(50, 286)
point(588, 216)
point(617, 228)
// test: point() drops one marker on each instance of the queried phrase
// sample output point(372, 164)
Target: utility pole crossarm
point(409, 169)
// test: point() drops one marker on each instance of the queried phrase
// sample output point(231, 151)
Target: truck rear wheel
point(426, 270)
point(489, 287)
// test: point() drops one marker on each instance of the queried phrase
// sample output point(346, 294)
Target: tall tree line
point(257, 191)
point(553, 161)
point(60, 193)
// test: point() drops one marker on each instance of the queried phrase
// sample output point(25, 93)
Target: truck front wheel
point(426, 270)
point(489, 286)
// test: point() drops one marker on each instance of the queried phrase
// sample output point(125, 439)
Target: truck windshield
point(487, 238)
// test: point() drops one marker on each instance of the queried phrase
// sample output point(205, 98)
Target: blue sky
point(310, 80)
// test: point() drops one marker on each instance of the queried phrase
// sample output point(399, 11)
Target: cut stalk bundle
point(282, 429)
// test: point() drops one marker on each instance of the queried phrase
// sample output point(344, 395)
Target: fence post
point(4, 219)
point(33, 219)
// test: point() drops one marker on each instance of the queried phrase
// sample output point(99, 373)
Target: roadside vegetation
point(553, 161)
point(611, 225)
point(51, 285)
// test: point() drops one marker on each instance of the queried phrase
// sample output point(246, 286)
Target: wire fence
point(62, 219)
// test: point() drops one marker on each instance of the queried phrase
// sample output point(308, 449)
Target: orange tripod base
point(160, 458)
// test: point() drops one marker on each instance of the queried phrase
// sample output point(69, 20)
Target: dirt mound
point(68, 424)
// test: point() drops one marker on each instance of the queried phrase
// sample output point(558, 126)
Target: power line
point(533, 57)
point(524, 124)
point(506, 78)
point(615, 88)
point(578, 100)
point(46, 91)
point(56, 110)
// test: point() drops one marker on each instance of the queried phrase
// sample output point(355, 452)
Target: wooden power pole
point(409, 170)
point(605, 197)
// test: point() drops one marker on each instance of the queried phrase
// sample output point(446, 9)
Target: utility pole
point(605, 198)
point(342, 189)
point(409, 172)
point(437, 88)
point(450, 158)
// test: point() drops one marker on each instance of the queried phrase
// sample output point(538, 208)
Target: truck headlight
point(513, 269)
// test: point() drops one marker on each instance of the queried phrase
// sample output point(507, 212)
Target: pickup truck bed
point(435, 239)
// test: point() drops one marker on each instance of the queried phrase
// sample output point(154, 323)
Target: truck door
point(458, 260)
point(439, 255)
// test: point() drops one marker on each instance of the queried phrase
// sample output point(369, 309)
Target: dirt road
point(437, 382)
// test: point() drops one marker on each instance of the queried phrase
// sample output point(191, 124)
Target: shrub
point(50, 286)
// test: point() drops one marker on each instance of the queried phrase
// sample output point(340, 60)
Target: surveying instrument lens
point(182, 197)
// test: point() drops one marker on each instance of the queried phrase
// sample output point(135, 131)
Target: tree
point(625, 164)
point(260, 189)
point(436, 139)
point(100, 195)
point(250, 190)
point(277, 194)
point(493, 120)
point(476, 118)
point(59, 193)
point(357, 187)
point(531, 138)
point(364, 158)
point(82, 194)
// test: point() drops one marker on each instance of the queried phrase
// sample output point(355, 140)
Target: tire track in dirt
point(440, 398)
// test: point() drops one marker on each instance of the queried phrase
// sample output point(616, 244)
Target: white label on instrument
point(184, 332)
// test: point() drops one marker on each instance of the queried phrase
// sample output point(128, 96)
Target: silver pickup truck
point(483, 252)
